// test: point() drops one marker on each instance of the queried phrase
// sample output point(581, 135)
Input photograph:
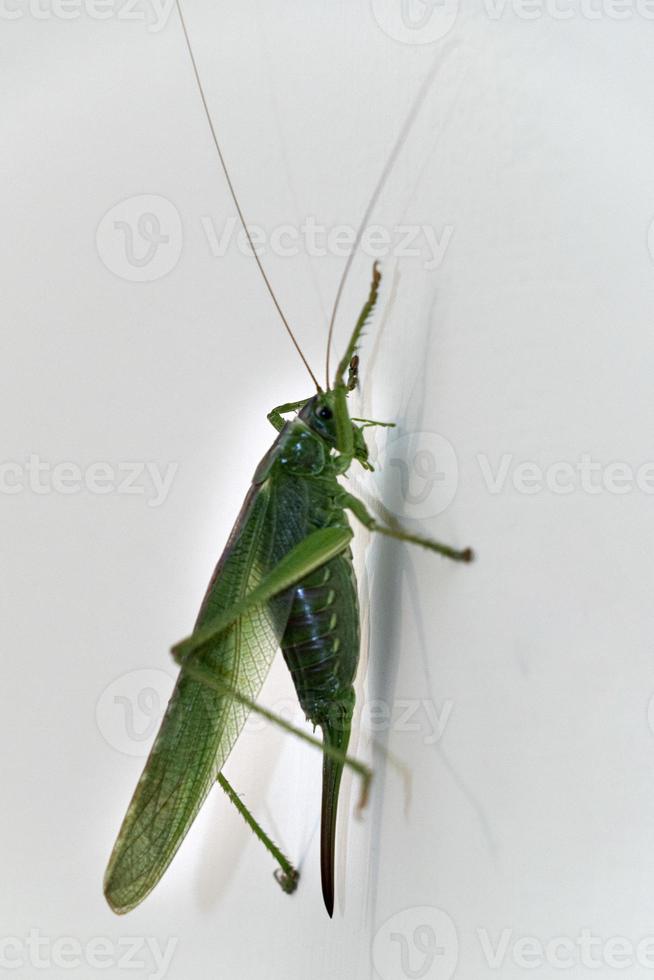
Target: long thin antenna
point(234, 197)
point(408, 123)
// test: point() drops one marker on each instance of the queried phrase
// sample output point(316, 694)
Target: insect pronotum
point(285, 579)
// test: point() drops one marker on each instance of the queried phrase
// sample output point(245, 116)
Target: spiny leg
point(350, 350)
point(341, 388)
point(276, 415)
point(209, 677)
point(287, 875)
point(367, 423)
point(358, 508)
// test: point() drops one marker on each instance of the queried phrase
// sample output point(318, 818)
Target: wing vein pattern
point(201, 725)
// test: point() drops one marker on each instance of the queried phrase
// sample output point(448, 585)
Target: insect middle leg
point(360, 511)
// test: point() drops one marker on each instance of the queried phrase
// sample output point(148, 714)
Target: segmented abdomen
point(321, 640)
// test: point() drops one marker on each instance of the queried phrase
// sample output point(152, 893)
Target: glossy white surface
point(530, 816)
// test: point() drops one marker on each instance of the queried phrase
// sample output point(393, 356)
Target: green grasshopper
point(285, 579)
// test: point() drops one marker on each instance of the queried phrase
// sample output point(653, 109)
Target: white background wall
point(532, 815)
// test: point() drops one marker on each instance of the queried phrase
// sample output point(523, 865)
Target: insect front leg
point(360, 511)
point(276, 415)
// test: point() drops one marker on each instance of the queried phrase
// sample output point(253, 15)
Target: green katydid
point(285, 579)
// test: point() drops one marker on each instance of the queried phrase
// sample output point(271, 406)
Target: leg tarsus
point(286, 874)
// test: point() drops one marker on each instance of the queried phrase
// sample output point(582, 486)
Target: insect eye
point(325, 413)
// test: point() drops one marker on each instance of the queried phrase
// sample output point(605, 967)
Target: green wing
point(200, 725)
